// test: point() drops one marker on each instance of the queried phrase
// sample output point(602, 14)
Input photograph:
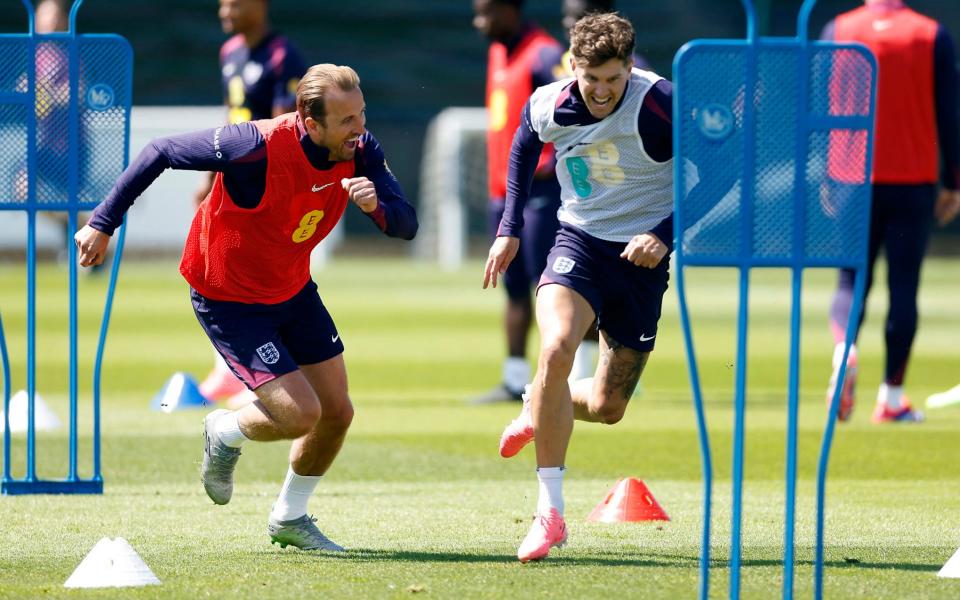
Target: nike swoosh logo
point(569, 148)
point(644, 338)
point(334, 338)
point(316, 188)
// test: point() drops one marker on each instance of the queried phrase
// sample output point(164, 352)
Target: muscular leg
point(311, 456)
point(286, 408)
point(313, 453)
point(563, 316)
point(604, 398)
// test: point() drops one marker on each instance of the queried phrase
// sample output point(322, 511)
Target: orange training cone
point(628, 500)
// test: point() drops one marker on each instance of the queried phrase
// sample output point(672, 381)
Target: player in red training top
point(281, 186)
point(260, 70)
point(916, 132)
point(521, 58)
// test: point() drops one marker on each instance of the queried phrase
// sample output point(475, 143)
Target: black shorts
point(626, 298)
point(261, 342)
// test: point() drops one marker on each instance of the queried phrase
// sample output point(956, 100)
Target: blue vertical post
point(101, 121)
point(746, 252)
point(798, 252)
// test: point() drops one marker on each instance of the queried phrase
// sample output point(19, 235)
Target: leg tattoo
point(624, 366)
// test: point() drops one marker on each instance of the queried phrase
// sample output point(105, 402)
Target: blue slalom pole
point(793, 400)
point(705, 458)
point(739, 418)
point(860, 286)
point(5, 360)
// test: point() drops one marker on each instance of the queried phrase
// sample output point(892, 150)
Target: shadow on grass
point(722, 565)
point(557, 558)
point(560, 559)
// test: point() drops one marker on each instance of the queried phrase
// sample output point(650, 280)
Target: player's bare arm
point(91, 246)
point(645, 250)
point(502, 253)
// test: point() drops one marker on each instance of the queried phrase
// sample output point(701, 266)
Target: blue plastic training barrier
point(773, 140)
point(64, 139)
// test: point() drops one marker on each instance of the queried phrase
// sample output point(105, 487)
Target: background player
point(260, 69)
point(521, 57)
point(916, 114)
point(281, 186)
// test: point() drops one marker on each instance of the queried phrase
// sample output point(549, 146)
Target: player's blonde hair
point(315, 84)
point(596, 38)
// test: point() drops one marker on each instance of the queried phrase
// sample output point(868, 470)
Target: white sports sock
point(551, 489)
point(584, 361)
point(838, 354)
point(890, 395)
point(228, 428)
point(294, 495)
point(516, 373)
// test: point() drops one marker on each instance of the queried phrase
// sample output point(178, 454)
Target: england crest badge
point(269, 353)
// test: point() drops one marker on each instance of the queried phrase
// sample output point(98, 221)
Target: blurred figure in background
point(916, 131)
point(521, 58)
point(53, 116)
point(260, 69)
point(950, 397)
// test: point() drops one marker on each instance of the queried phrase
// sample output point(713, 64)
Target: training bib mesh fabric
point(610, 188)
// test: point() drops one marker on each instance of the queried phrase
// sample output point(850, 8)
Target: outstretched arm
point(217, 149)
point(524, 157)
point(209, 150)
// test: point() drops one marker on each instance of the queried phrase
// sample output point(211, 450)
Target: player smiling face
point(602, 86)
point(601, 49)
point(340, 129)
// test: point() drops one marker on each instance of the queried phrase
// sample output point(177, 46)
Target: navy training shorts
point(627, 299)
point(261, 342)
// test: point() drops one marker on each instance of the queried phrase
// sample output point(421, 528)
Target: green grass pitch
point(419, 494)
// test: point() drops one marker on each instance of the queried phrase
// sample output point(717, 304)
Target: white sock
point(228, 428)
point(838, 354)
point(585, 360)
point(890, 395)
point(516, 373)
point(551, 489)
point(294, 495)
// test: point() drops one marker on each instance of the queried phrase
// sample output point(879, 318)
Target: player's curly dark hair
point(315, 83)
point(597, 38)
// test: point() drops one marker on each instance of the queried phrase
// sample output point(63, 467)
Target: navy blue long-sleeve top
point(240, 153)
point(654, 124)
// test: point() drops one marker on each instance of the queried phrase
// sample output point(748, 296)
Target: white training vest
point(610, 187)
